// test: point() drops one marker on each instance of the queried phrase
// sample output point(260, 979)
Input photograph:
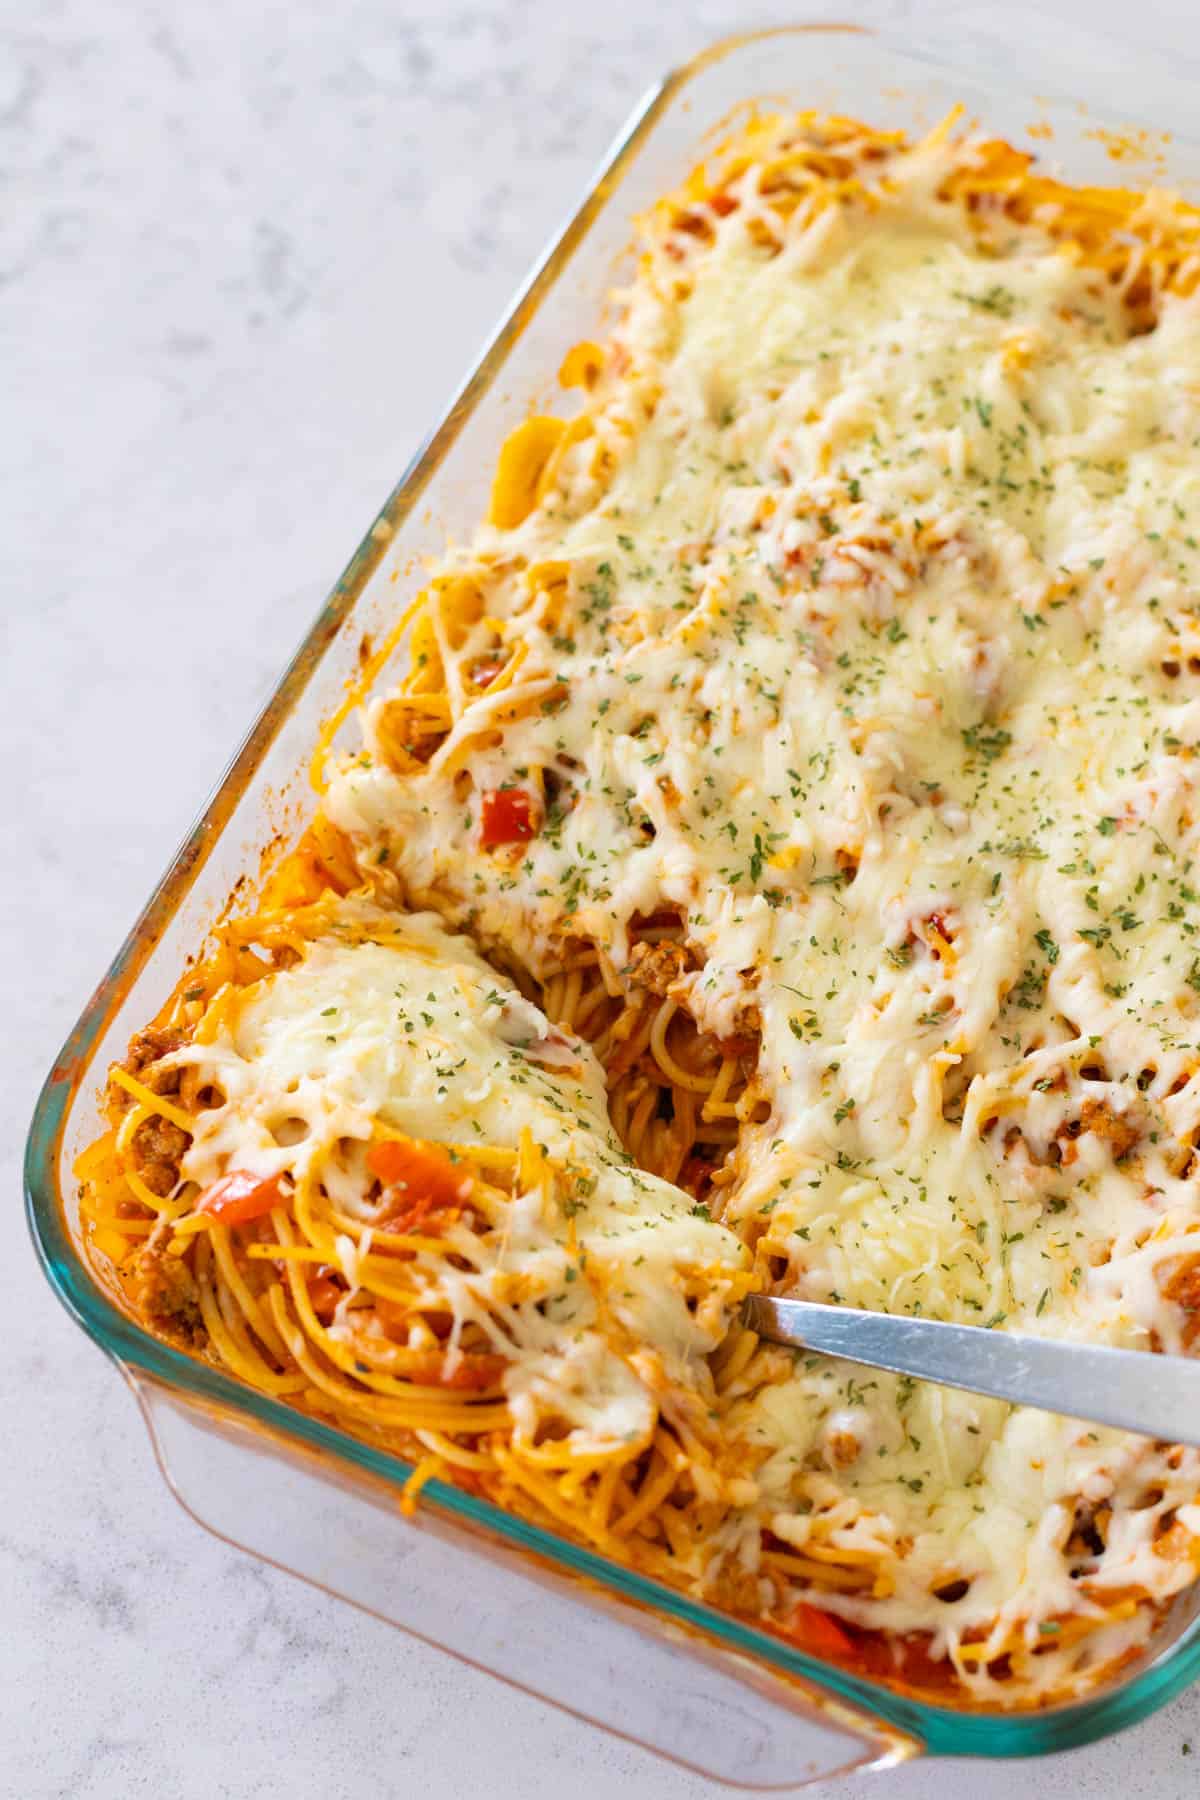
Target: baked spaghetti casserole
point(766, 863)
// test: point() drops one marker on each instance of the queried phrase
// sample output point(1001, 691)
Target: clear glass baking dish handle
point(611, 1663)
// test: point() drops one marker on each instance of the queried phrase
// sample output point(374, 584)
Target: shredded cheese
point(393, 1023)
point(870, 649)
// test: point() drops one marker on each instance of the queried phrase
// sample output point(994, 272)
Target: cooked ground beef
point(157, 1144)
point(145, 1049)
point(657, 966)
point(150, 1045)
point(157, 1148)
point(163, 1290)
point(1183, 1287)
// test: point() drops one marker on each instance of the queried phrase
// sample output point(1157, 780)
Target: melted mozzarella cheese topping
point(393, 1023)
point(880, 662)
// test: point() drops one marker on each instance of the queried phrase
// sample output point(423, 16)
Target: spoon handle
point(1158, 1396)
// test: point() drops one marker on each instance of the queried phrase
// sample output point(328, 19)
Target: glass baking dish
point(561, 1621)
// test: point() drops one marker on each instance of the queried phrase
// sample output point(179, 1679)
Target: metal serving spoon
point(1158, 1396)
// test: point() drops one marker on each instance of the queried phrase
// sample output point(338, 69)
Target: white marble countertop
point(245, 252)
